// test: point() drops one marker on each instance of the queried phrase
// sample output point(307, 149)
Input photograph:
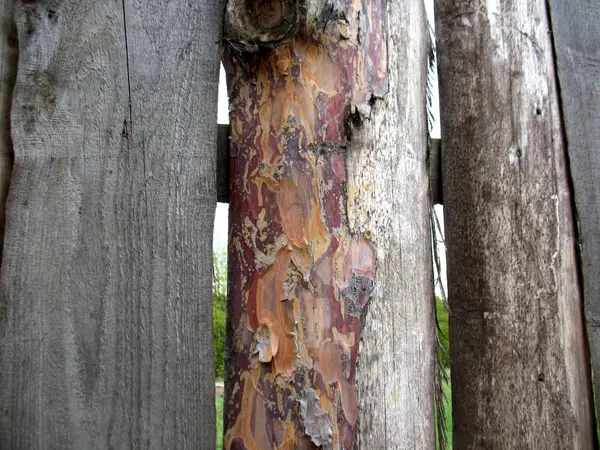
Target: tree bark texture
point(576, 33)
point(520, 370)
point(10, 53)
point(106, 340)
point(328, 202)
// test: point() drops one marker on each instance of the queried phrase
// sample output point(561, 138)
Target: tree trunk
point(329, 228)
point(106, 276)
point(10, 53)
point(520, 371)
point(576, 33)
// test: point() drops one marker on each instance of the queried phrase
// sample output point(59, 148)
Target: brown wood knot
point(267, 14)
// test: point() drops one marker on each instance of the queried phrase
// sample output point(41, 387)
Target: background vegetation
point(443, 335)
point(219, 302)
point(444, 355)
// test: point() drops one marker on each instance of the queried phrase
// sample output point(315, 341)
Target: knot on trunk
point(256, 23)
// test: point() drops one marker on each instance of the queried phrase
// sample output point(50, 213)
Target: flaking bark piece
point(316, 420)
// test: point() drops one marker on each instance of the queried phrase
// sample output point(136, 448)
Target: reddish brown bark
point(299, 281)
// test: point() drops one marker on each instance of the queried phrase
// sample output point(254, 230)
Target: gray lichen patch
point(317, 424)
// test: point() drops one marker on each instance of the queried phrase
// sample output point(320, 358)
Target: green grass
point(447, 412)
point(219, 407)
point(443, 333)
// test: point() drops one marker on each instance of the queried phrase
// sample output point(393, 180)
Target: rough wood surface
point(106, 341)
point(576, 32)
point(388, 200)
point(520, 370)
point(9, 55)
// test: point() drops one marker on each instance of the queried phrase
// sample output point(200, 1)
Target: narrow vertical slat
point(173, 67)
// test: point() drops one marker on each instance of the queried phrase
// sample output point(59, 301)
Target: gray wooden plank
point(173, 61)
point(576, 31)
point(60, 269)
point(106, 341)
point(520, 374)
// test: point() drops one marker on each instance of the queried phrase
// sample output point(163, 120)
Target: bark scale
point(520, 370)
point(304, 80)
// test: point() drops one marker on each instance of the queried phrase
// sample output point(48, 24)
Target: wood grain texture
point(388, 202)
point(520, 371)
point(8, 74)
point(106, 341)
point(576, 31)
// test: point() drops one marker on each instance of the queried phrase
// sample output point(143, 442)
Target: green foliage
point(219, 301)
point(447, 411)
point(219, 408)
point(442, 320)
point(444, 355)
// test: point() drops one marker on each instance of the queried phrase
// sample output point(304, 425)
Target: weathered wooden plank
point(173, 63)
point(520, 372)
point(107, 336)
point(576, 31)
point(60, 271)
point(329, 212)
point(8, 74)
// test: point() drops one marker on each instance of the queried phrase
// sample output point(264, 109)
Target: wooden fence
point(108, 182)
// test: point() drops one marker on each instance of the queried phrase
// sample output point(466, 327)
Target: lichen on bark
point(299, 280)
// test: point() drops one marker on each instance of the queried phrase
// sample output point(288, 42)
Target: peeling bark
point(299, 280)
point(301, 82)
